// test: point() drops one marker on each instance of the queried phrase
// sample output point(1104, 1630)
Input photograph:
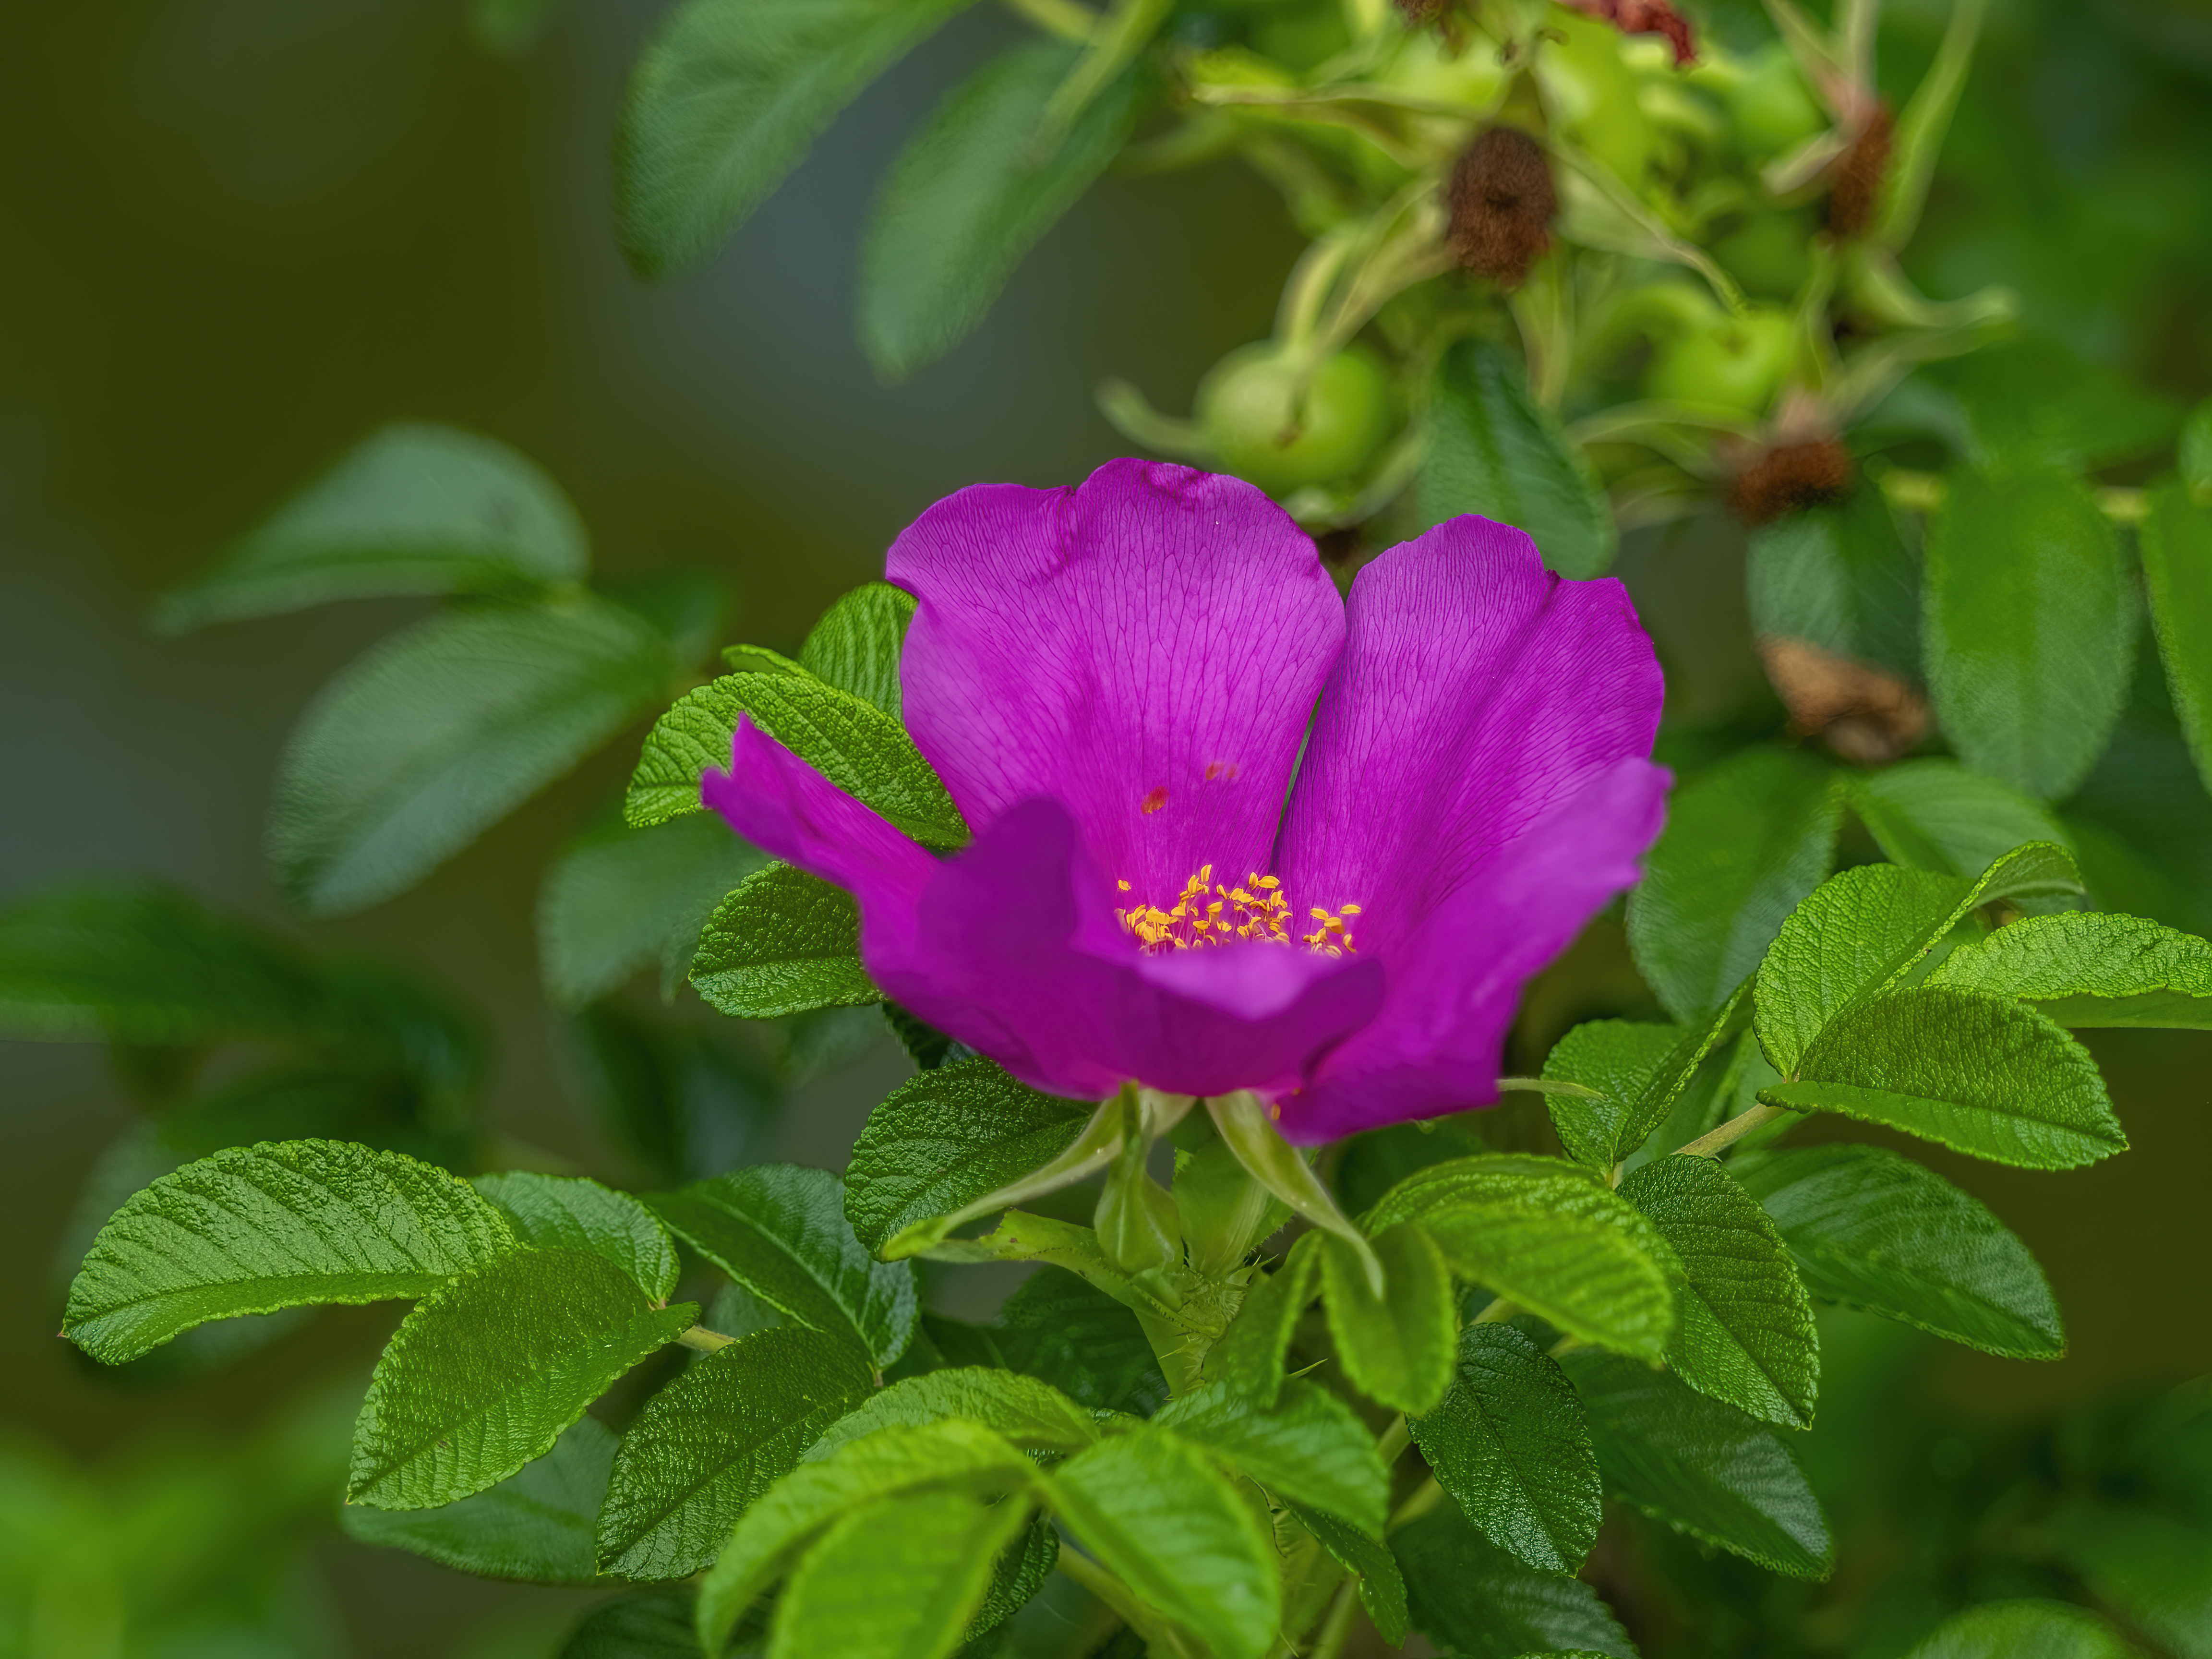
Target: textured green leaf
point(1743, 1331)
point(1395, 1348)
point(485, 1373)
point(783, 943)
point(2090, 969)
point(1032, 1414)
point(1475, 1601)
point(1992, 1078)
point(2025, 1630)
point(2028, 626)
point(727, 98)
point(419, 745)
point(946, 1138)
point(856, 646)
point(254, 1229)
point(971, 194)
point(416, 509)
point(1154, 1512)
point(1250, 1353)
point(569, 1212)
point(708, 1444)
point(780, 1231)
point(1744, 842)
point(1877, 1232)
point(1381, 1586)
point(1618, 1059)
point(534, 1526)
point(1703, 1467)
point(1493, 450)
point(2153, 1570)
point(623, 900)
point(1309, 1449)
point(1022, 1572)
point(656, 1624)
point(1551, 1238)
point(1839, 578)
point(1938, 815)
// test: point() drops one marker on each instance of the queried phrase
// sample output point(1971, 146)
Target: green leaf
point(569, 1212)
point(1839, 578)
point(2176, 540)
point(2090, 969)
point(899, 1579)
point(1491, 449)
point(2193, 453)
point(780, 1231)
point(1743, 1331)
point(2143, 820)
point(1509, 1444)
point(254, 1229)
point(855, 646)
point(1395, 1348)
point(1703, 1467)
point(1153, 1512)
point(418, 746)
point(1309, 1449)
point(800, 1507)
point(1381, 1587)
point(686, 1101)
point(484, 1374)
point(850, 741)
point(1991, 1079)
point(1619, 1059)
point(2019, 1630)
point(1551, 1238)
point(2153, 1570)
point(1032, 1414)
point(946, 1138)
point(971, 194)
point(1938, 815)
point(534, 1526)
point(1250, 1353)
point(1744, 842)
point(623, 900)
point(2028, 626)
point(416, 509)
point(1022, 1571)
point(656, 1624)
point(1877, 1232)
point(727, 98)
point(783, 943)
point(708, 1444)
point(1475, 1601)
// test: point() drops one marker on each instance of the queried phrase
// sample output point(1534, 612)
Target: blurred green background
point(237, 235)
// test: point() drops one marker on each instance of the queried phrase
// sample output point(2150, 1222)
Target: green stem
point(1109, 1589)
point(1061, 17)
point(1391, 1446)
point(1713, 1141)
point(1425, 1497)
point(1497, 1313)
point(704, 1340)
point(1338, 1625)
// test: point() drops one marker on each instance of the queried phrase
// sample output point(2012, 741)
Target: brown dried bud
point(1643, 17)
point(1789, 477)
point(1419, 13)
point(1500, 201)
point(1856, 194)
point(1865, 714)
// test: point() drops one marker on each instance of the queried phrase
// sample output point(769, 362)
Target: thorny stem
point(1730, 1132)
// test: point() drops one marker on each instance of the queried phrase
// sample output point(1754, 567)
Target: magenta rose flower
point(1115, 681)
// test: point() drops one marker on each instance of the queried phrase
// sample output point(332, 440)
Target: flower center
point(1206, 912)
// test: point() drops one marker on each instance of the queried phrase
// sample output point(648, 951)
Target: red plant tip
point(1858, 190)
point(1500, 202)
point(1643, 17)
point(1789, 477)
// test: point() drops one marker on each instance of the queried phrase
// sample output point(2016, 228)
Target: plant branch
point(1391, 1444)
point(1338, 1625)
point(1425, 1497)
point(1713, 1141)
point(706, 1341)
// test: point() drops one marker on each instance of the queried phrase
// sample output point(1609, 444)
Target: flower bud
point(1501, 203)
point(1787, 476)
point(1856, 194)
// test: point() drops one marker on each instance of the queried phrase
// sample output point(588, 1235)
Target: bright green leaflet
point(783, 943)
point(1839, 578)
point(2028, 627)
point(1992, 1078)
point(623, 900)
point(971, 194)
point(2025, 1630)
point(714, 1440)
point(943, 1138)
point(1381, 1587)
point(2155, 1570)
point(898, 1579)
point(572, 1213)
point(780, 1231)
point(254, 1229)
point(1034, 1415)
point(1395, 1348)
point(1938, 815)
point(534, 1526)
point(856, 645)
point(1250, 1353)
point(1877, 1232)
point(727, 98)
point(1743, 843)
point(1493, 450)
point(1744, 1326)
point(1154, 1513)
point(486, 1372)
point(1309, 1449)
point(1476, 1601)
point(416, 509)
point(1701, 1466)
point(1509, 1445)
point(1618, 1059)
point(2091, 969)
point(434, 735)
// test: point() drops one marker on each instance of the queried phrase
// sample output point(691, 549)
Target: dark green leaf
point(1395, 1348)
point(2090, 969)
point(687, 1102)
point(2018, 1630)
point(416, 509)
point(254, 1229)
point(856, 645)
point(1938, 815)
point(1839, 578)
point(1022, 1572)
point(2033, 401)
point(2143, 820)
point(727, 97)
point(1701, 1466)
point(2153, 1570)
point(1062, 1331)
point(569, 1212)
point(535, 1526)
point(656, 1623)
point(1877, 1232)
point(783, 943)
point(1310, 1448)
point(1619, 1059)
point(623, 900)
point(2176, 538)
point(2193, 453)
point(1381, 1587)
point(971, 194)
point(485, 1373)
point(1033, 1415)
point(1475, 1601)
point(1250, 1355)
point(780, 1231)
point(510, 26)
point(1492, 450)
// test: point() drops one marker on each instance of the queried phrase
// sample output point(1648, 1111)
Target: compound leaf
point(2090, 969)
point(1309, 1448)
point(1032, 1414)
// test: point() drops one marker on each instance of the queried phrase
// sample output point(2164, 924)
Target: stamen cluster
point(1207, 912)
